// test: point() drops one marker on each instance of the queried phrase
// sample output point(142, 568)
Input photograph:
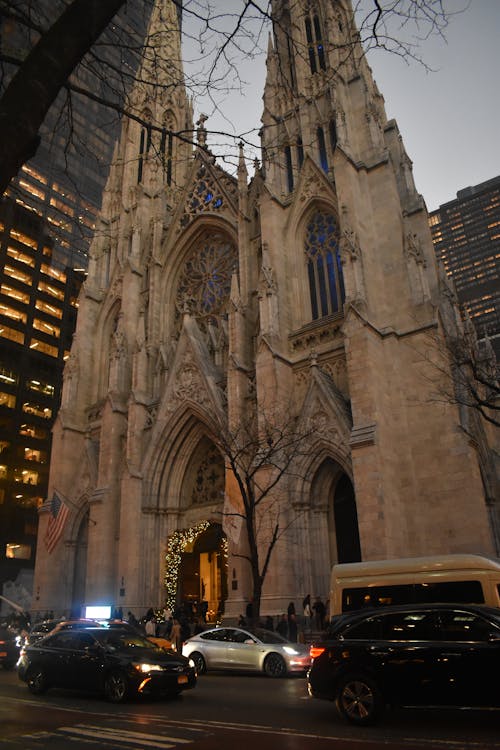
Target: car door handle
point(384, 650)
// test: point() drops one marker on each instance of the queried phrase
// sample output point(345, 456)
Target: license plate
point(182, 679)
point(3, 653)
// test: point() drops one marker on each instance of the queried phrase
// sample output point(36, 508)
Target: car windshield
point(123, 640)
point(267, 636)
point(45, 627)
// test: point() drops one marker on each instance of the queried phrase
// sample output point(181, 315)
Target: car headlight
point(144, 667)
point(290, 651)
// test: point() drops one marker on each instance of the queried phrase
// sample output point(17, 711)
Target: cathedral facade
point(305, 296)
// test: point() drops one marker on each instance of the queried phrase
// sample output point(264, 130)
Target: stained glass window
point(205, 281)
point(326, 283)
point(209, 479)
point(315, 46)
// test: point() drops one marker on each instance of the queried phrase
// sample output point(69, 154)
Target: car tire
point(199, 662)
point(116, 687)
point(36, 680)
point(358, 699)
point(274, 666)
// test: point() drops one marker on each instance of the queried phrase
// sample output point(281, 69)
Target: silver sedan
point(246, 649)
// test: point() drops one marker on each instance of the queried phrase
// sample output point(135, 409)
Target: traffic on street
point(226, 709)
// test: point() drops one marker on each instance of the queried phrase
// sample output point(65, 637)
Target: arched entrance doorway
point(346, 521)
point(197, 571)
point(333, 491)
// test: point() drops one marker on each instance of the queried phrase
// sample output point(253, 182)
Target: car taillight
point(316, 651)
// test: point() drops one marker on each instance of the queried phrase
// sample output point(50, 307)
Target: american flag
point(58, 515)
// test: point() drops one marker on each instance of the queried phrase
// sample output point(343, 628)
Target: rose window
point(205, 281)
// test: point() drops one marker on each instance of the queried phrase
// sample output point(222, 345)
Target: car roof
point(339, 621)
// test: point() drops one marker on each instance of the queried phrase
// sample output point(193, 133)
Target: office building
point(466, 236)
point(47, 219)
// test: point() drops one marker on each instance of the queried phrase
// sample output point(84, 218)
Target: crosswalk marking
point(124, 734)
point(76, 732)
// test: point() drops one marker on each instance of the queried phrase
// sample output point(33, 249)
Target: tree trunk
point(36, 84)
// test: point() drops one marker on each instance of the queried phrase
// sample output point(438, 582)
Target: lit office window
point(30, 477)
point(49, 289)
point(18, 551)
point(18, 275)
point(20, 237)
point(13, 252)
point(7, 400)
point(8, 376)
point(49, 309)
point(54, 272)
point(9, 291)
point(48, 328)
point(40, 387)
point(11, 334)
point(33, 431)
point(41, 346)
point(29, 407)
point(11, 312)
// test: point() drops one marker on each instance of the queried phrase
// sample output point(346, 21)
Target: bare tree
point(261, 457)
point(38, 80)
point(65, 34)
point(473, 382)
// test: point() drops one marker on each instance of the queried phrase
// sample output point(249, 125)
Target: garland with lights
point(177, 543)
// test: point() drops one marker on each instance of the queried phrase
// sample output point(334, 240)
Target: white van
point(470, 579)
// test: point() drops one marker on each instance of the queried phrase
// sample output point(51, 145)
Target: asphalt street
point(226, 711)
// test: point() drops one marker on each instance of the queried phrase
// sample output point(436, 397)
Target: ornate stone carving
point(311, 186)
point(413, 248)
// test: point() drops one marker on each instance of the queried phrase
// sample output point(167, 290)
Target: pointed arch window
point(323, 156)
point(315, 46)
point(300, 152)
point(289, 168)
point(144, 146)
point(333, 135)
point(326, 282)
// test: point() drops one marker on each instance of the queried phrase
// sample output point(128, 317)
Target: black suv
point(415, 655)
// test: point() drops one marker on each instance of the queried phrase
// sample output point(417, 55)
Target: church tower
point(307, 295)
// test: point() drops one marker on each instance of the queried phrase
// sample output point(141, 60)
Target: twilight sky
point(449, 118)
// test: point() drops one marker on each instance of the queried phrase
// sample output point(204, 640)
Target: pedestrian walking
point(292, 627)
point(307, 611)
point(319, 613)
point(282, 626)
point(175, 636)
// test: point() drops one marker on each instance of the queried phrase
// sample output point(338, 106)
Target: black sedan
point(116, 662)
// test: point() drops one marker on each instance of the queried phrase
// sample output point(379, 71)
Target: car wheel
point(274, 666)
point(36, 680)
point(359, 699)
point(116, 687)
point(199, 662)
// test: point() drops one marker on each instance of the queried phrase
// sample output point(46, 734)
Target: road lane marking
point(128, 733)
point(118, 740)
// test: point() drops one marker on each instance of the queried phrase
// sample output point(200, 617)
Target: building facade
point(466, 236)
point(305, 299)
